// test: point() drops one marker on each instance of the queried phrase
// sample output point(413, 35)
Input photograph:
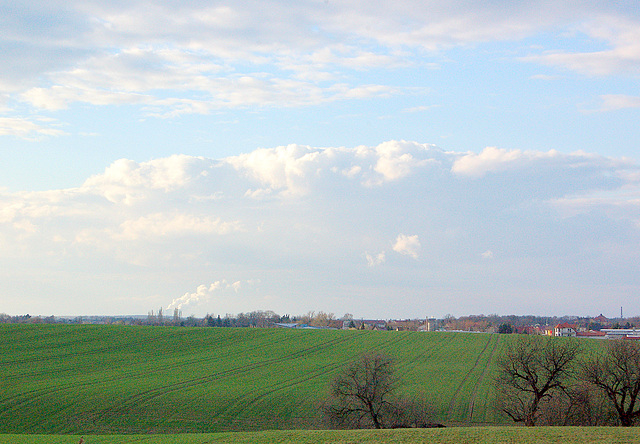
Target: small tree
point(616, 372)
point(532, 369)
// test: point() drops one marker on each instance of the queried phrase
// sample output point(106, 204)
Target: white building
point(565, 330)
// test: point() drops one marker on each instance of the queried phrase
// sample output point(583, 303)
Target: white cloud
point(614, 102)
point(621, 33)
point(487, 255)
point(59, 97)
point(419, 109)
point(376, 259)
point(493, 159)
point(284, 167)
point(408, 245)
point(135, 76)
point(160, 225)
point(27, 128)
point(392, 162)
point(182, 59)
point(127, 181)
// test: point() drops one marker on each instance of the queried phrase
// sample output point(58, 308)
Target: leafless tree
point(616, 371)
point(532, 369)
point(579, 405)
point(411, 413)
point(361, 394)
point(322, 319)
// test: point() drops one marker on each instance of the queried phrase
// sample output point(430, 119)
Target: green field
point(457, 435)
point(90, 379)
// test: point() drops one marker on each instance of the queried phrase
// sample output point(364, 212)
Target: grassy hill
point(91, 379)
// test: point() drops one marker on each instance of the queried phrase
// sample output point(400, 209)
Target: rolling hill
point(95, 379)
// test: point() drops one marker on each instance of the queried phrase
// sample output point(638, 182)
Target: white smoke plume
point(203, 293)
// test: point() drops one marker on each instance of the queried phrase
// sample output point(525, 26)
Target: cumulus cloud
point(283, 168)
point(291, 170)
point(126, 180)
point(408, 245)
point(392, 163)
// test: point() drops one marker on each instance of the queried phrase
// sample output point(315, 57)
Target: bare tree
point(616, 371)
point(361, 394)
point(531, 369)
point(580, 405)
point(322, 319)
point(411, 413)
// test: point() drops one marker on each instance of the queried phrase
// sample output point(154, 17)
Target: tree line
point(256, 318)
point(267, 318)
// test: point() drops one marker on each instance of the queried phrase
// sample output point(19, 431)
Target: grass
point(458, 435)
point(93, 379)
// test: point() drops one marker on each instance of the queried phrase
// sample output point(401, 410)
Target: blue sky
point(403, 160)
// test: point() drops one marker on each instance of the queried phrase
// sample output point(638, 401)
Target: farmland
point(457, 435)
point(91, 379)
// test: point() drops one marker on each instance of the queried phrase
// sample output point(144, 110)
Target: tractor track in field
point(454, 398)
point(148, 395)
point(32, 395)
point(248, 403)
point(408, 365)
point(472, 400)
point(113, 347)
point(274, 389)
point(82, 353)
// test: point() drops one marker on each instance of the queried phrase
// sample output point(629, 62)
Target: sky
point(386, 159)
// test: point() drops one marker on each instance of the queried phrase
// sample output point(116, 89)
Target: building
point(591, 334)
point(433, 324)
point(621, 333)
point(565, 330)
point(602, 320)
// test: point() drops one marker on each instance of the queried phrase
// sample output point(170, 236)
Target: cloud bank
point(299, 220)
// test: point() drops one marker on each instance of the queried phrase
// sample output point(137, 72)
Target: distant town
point(565, 326)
